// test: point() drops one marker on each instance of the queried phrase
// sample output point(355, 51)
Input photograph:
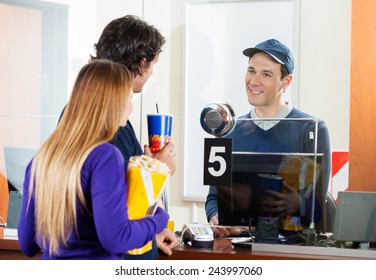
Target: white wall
point(324, 63)
point(325, 41)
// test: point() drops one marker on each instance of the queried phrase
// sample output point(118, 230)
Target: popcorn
point(148, 163)
point(147, 179)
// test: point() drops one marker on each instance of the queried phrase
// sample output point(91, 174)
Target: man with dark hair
point(136, 44)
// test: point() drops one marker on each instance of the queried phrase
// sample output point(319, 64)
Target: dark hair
point(128, 40)
point(284, 71)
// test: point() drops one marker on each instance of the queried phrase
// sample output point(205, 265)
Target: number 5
point(213, 157)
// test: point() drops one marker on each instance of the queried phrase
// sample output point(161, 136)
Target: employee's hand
point(165, 155)
point(283, 204)
point(223, 231)
point(166, 240)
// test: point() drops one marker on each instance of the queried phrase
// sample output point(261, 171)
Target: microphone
point(218, 119)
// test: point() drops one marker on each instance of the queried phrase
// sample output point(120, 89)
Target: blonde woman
point(75, 188)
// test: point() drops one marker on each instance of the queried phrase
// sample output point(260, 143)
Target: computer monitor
point(241, 203)
point(355, 217)
point(16, 161)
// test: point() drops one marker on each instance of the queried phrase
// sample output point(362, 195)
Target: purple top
point(105, 232)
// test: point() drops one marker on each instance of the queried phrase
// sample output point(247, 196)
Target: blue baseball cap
point(276, 50)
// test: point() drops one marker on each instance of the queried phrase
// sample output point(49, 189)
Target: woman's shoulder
point(104, 152)
point(105, 147)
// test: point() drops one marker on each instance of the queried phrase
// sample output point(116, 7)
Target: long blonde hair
point(92, 117)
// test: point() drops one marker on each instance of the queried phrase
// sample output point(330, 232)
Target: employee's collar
point(266, 125)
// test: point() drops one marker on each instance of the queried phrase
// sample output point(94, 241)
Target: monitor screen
point(16, 161)
point(242, 203)
point(355, 217)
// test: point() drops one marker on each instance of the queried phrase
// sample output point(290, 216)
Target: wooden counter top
point(223, 250)
point(10, 250)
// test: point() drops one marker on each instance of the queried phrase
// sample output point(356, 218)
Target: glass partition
point(279, 179)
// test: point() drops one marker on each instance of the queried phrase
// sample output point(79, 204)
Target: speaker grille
point(213, 119)
point(218, 119)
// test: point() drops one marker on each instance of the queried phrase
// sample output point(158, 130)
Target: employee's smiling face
point(263, 80)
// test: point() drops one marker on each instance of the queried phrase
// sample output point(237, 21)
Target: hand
point(165, 155)
point(166, 240)
point(223, 231)
point(283, 204)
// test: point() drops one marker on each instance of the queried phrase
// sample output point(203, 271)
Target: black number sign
point(217, 161)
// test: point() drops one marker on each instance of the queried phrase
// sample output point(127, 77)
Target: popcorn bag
point(147, 180)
